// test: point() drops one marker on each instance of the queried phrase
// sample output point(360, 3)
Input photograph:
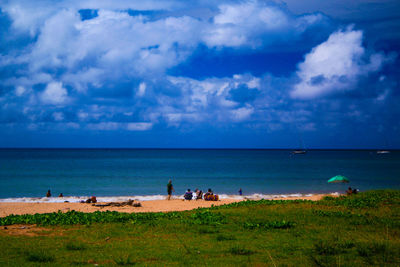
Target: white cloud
point(175, 119)
point(242, 114)
point(58, 116)
point(71, 125)
point(29, 16)
point(20, 90)
point(104, 126)
point(112, 126)
point(82, 115)
point(139, 126)
point(115, 44)
point(110, 46)
point(383, 96)
point(255, 24)
point(254, 83)
point(141, 90)
point(54, 93)
point(335, 65)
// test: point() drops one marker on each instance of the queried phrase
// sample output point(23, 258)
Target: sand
point(8, 208)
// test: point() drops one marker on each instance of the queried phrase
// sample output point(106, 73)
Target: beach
point(19, 208)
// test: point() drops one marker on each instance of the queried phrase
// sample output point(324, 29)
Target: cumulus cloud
point(115, 44)
point(114, 68)
point(29, 16)
point(141, 90)
point(256, 24)
point(54, 94)
point(20, 90)
point(243, 113)
point(335, 65)
point(118, 47)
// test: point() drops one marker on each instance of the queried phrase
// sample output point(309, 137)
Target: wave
point(77, 199)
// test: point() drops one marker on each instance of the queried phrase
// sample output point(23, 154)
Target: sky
point(200, 74)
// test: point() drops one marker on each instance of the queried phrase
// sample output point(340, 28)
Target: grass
point(75, 246)
point(361, 230)
point(238, 250)
point(40, 256)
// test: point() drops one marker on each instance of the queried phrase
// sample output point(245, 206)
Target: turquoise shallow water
point(130, 172)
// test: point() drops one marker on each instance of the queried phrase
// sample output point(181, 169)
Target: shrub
point(240, 251)
point(125, 260)
point(208, 231)
point(207, 217)
point(75, 246)
point(366, 199)
point(269, 225)
point(326, 248)
point(39, 256)
point(225, 237)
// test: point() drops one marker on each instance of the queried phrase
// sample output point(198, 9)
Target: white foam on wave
point(77, 199)
point(257, 196)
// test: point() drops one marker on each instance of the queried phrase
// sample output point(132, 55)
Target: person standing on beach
point(48, 193)
point(170, 188)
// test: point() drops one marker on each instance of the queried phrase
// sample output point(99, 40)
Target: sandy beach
point(18, 208)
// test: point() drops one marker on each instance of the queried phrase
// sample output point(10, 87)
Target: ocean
point(119, 174)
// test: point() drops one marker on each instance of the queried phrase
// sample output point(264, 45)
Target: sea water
point(119, 174)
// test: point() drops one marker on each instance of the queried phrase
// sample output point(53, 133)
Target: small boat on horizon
point(299, 151)
point(385, 148)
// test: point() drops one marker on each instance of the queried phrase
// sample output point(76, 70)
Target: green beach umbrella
point(338, 179)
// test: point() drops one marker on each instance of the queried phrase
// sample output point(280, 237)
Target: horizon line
point(194, 148)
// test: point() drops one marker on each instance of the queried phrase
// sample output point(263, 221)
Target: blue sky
point(200, 74)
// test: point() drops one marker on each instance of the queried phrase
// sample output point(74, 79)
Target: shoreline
point(20, 208)
point(121, 198)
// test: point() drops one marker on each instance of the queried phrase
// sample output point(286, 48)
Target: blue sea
point(116, 174)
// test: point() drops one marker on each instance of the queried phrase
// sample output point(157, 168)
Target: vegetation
point(358, 230)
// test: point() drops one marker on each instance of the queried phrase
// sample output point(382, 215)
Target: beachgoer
point(48, 193)
point(349, 191)
point(210, 195)
point(355, 191)
point(170, 188)
point(240, 192)
point(61, 195)
point(188, 195)
point(199, 194)
point(93, 199)
point(209, 192)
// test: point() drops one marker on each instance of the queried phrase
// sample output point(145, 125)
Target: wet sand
point(17, 208)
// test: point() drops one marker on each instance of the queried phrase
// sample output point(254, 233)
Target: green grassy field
point(360, 230)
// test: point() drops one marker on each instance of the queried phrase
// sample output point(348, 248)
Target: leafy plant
point(240, 251)
point(39, 256)
point(368, 199)
point(269, 225)
point(225, 237)
point(74, 217)
point(125, 260)
point(208, 231)
point(75, 246)
point(324, 247)
point(207, 217)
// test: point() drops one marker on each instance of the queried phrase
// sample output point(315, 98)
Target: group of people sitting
point(198, 194)
point(350, 191)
